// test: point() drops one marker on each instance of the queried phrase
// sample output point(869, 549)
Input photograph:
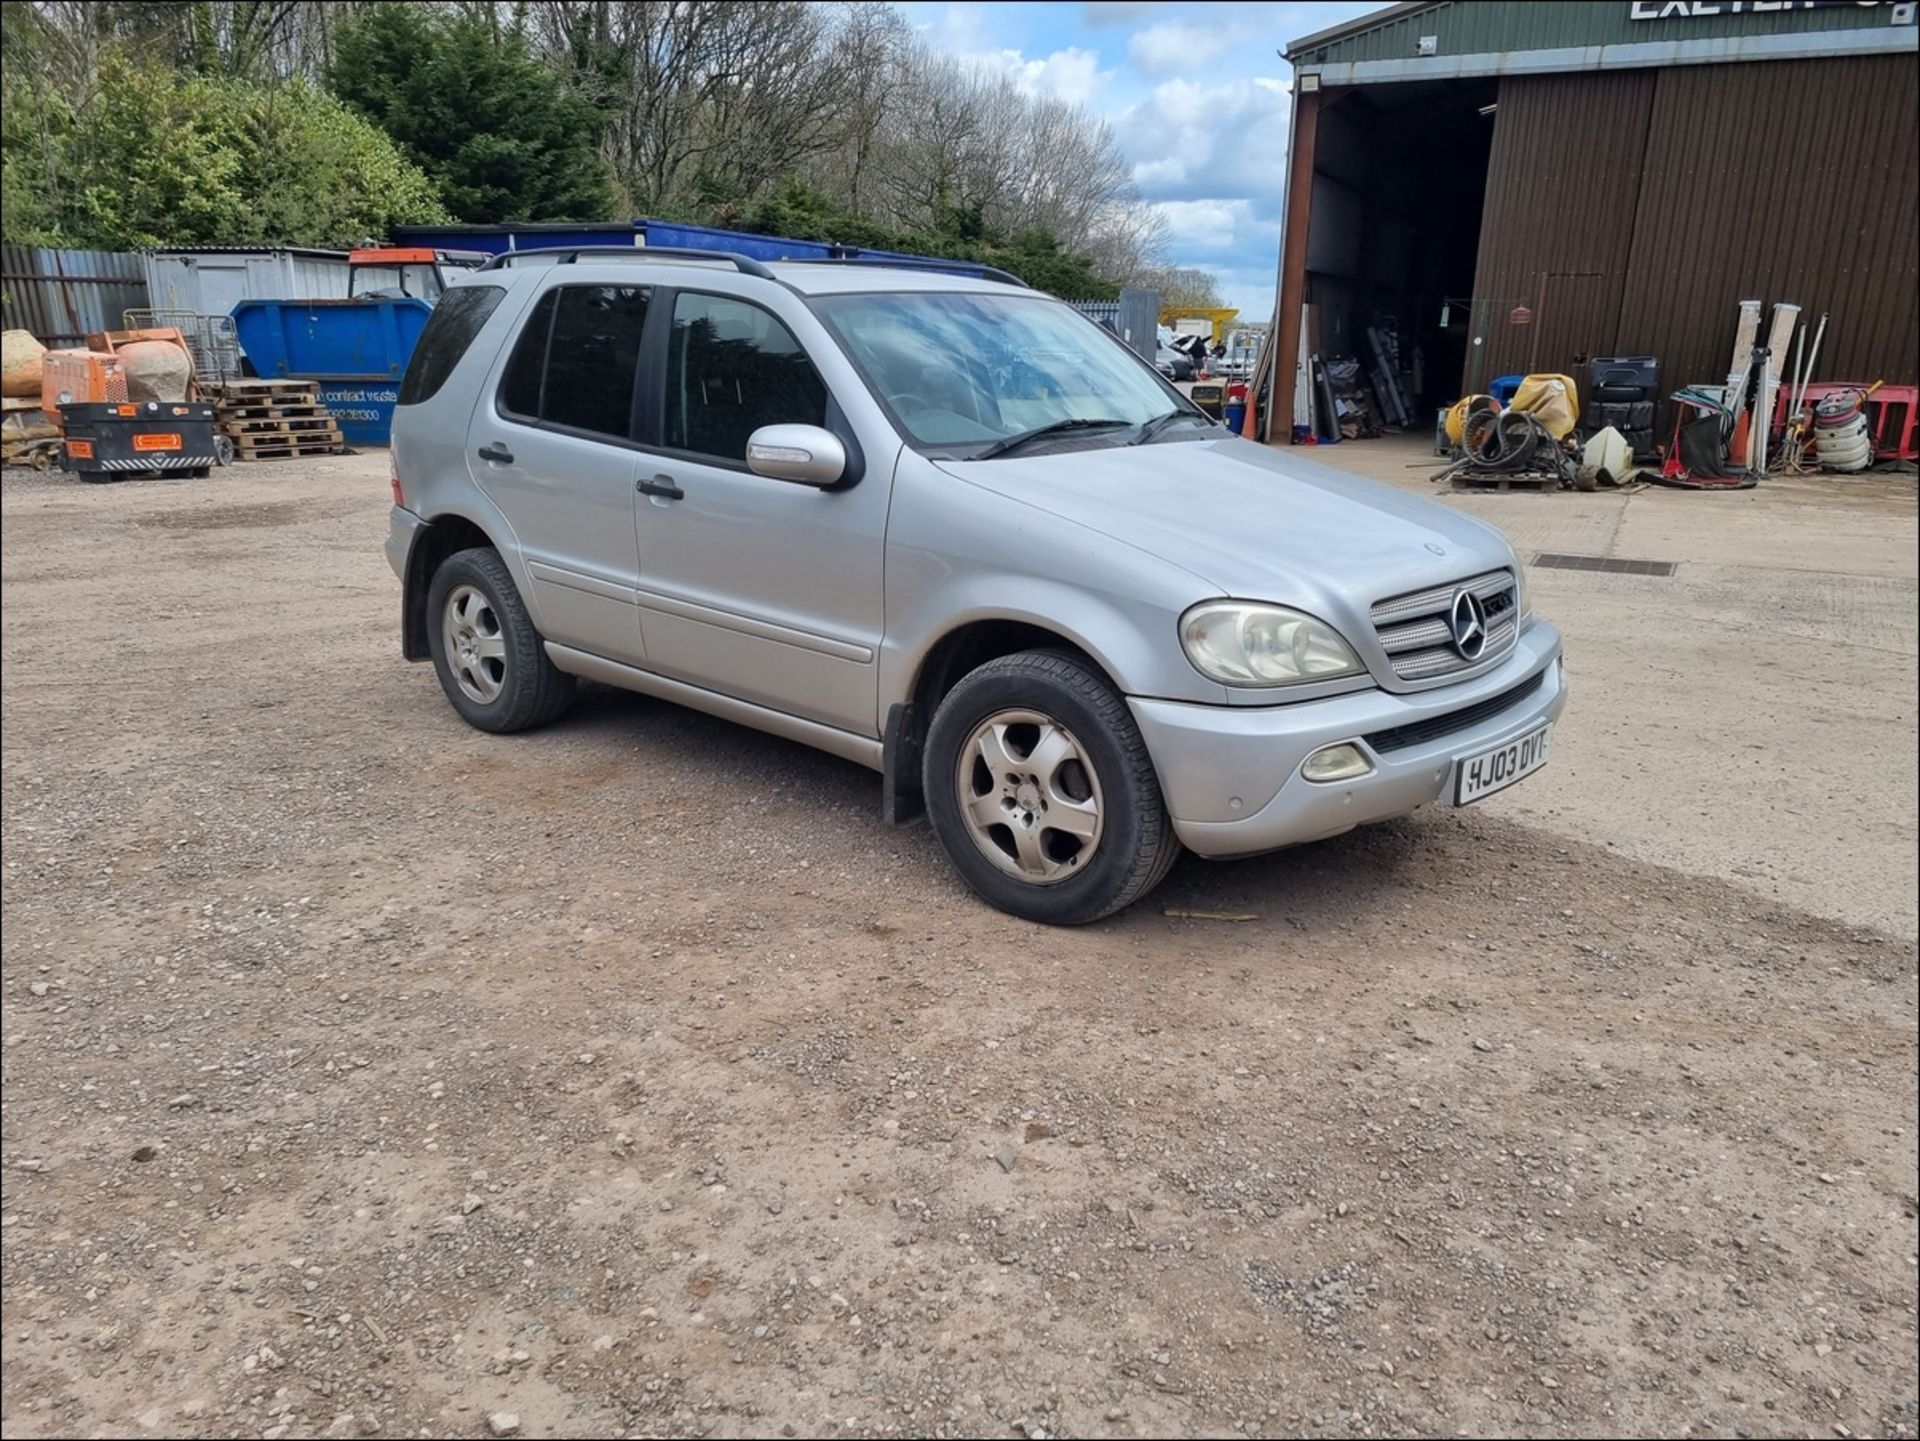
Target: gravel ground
point(366, 1075)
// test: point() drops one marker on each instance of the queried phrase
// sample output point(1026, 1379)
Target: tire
point(1518, 436)
point(498, 677)
point(1480, 436)
point(1070, 751)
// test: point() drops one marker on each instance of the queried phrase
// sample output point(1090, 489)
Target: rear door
point(553, 444)
point(760, 589)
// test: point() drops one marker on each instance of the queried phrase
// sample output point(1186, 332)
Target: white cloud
point(1073, 75)
point(1208, 224)
point(1163, 174)
point(1194, 141)
point(1176, 46)
point(953, 27)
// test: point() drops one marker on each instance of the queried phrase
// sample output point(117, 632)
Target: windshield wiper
point(1056, 427)
point(1161, 422)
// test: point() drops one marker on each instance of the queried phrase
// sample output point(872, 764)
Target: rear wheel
point(491, 661)
point(1042, 793)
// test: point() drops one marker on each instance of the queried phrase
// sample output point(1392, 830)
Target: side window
point(575, 361)
point(732, 367)
point(450, 330)
point(520, 387)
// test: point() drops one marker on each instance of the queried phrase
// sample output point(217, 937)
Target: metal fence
point(64, 295)
point(1134, 317)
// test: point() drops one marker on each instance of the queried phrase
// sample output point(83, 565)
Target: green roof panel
point(1491, 27)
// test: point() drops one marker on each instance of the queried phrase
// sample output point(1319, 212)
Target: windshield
point(961, 371)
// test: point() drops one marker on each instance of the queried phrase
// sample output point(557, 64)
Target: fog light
point(1336, 763)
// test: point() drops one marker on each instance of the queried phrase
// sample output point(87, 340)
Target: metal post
point(1293, 261)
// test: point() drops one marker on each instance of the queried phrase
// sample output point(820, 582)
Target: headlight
point(1246, 644)
point(1522, 600)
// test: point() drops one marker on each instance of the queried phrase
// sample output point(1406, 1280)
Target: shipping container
point(212, 281)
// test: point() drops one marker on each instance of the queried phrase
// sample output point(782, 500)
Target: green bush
point(168, 157)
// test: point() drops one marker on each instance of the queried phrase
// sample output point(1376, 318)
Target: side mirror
point(804, 454)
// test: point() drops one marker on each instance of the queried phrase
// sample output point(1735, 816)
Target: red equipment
point(1890, 415)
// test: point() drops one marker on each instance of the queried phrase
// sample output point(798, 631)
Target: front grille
point(1433, 727)
point(1413, 628)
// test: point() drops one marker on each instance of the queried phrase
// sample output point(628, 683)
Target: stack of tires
point(1840, 440)
point(1621, 390)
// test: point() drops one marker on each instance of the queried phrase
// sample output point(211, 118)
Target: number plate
point(1476, 777)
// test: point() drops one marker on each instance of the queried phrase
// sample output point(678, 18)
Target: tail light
point(393, 478)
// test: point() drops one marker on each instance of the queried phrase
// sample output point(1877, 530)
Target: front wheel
point(1042, 793)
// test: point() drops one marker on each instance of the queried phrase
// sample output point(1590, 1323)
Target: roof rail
point(920, 262)
point(570, 254)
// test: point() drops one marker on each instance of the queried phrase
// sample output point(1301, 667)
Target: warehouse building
point(1500, 188)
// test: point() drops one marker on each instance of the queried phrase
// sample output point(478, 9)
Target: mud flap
point(902, 802)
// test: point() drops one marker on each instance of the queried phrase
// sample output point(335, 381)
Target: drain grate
point(1610, 564)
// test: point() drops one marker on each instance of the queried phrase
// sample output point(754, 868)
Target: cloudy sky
point(1197, 94)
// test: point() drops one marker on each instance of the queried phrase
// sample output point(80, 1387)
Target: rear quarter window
point(449, 331)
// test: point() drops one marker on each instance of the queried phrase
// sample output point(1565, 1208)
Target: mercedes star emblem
point(1468, 624)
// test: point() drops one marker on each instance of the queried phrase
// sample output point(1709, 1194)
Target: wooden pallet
point(290, 410)
point(1506, 482)
point(275, 419)
point(263, 392)
point(288, 425)
point(286, 447)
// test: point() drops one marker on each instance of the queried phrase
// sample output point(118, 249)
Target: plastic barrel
point(1234, 413)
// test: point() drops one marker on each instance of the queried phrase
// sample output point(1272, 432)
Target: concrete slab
point(1753, 716)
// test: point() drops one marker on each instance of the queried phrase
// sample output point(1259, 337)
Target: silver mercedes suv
point(945, 527)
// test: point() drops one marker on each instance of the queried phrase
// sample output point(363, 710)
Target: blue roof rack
point(915, 262)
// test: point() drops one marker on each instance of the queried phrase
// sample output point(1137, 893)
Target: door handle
point(496, 452)
point(660, 485)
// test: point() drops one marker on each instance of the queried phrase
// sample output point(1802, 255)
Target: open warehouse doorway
point(1399, 183)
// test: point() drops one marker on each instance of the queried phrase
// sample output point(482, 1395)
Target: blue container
point(657, 234)
point(672, 235)
point(494, 239)
point(356, 349)
point(363, 408)
point(1234, 415)
point(1503, 389)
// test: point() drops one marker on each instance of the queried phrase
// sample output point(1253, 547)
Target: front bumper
point(1231, 775)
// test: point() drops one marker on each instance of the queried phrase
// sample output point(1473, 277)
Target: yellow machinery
point(1217, 319)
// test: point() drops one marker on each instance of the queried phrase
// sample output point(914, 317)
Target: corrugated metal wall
point(1835, 148)
point(1486, 27)
point(62, 295)
point(1660, 199)
point(1562, 185)
point(212, 282)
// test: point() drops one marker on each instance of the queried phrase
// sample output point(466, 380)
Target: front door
point(760, 589)
point(552, 443)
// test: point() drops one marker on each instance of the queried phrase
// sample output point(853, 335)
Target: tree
point(160, 157)
point(1182, 285)
point(503, 136)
